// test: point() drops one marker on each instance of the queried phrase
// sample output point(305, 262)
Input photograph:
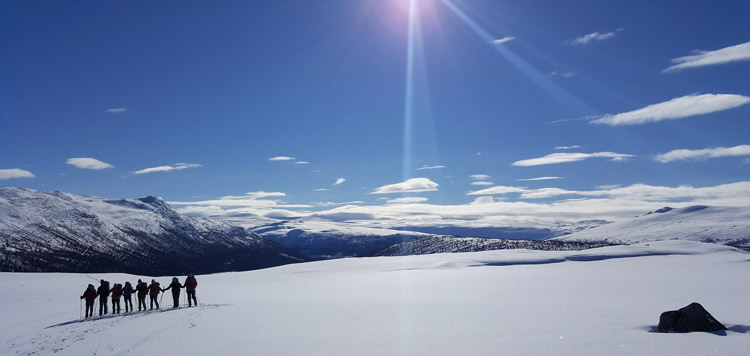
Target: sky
point(442, 110)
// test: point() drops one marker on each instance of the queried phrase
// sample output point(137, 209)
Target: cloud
point(15, 173)
point(596, 36)
point(301, 162)
point(740, 52)
point(89, 163)
point(687, 155)
point(567, 147)
point(430, 167)
point(480, 176)
point(413, 185)
point(116, 110)
point(499, 190)
point(503, 40)
point(677, 108)
point(562, 74)
point(281, 158)
point(339, 181)
point(175, 167)
point(407, 200)
point(482, 182)
point(540, 178)
point(555, 158)
point(321, 190)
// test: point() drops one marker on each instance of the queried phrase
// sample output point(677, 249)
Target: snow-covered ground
point(603, 301)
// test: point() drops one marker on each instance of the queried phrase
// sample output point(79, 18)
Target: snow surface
point(604, 301)
point(696, 223)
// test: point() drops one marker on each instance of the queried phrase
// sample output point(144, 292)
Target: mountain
point(326, 237)
point(453, 244)
point(62, 232)
point(724, 225)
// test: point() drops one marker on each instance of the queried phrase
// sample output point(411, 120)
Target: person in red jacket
point(116, 293)
point(90, 296)
point(190, 284)
point(153, 291)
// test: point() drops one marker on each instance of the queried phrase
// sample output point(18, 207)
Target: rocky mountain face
point(61, 232)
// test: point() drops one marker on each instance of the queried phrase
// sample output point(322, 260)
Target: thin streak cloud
point(695, 155)
point(176, 167)
point(677, 108)
point(740, 52)
point(556, 158)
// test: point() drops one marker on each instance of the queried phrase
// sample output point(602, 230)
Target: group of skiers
point(141, 289)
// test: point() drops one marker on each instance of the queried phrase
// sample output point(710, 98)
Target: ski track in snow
point(56, 338)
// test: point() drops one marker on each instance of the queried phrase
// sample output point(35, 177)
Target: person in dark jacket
point(103, 292)
point(175, 287)
point(127, 292)
point(116, 294)
point(153, 291)
point(142, 289)
point(190, 284)
point(90, 296)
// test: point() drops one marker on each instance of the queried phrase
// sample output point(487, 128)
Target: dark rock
point(690, 318)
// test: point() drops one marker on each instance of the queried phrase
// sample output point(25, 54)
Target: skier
point(190, 285)
point(90, 296)
point(154, 291)
point(103, 292)
point(116, 294)
point(142, 289)
point(175, 287)
point(127, 291)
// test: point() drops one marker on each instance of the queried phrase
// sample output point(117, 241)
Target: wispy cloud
point(562, 74)
point(321, 190)
point(677, 108)
point(740, 52)
point(301, 162)
point(88, 163)
point(413, 185)
point(567, 147)
point(430, 167)
point(407, 200)
point(595, 36)
point(499, 190)
point(281, 158)
point(15, 173)
point(538, 179)
point(503, 40)
point(175, 167)
point(339, 181)
point(555, 158)
point(691, 155)
point(116, 110)
point(480, 176)
point(482, 182)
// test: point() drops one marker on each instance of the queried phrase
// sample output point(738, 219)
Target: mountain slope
point(725, 225)
point(68, 233)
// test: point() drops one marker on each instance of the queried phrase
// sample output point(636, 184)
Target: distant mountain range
point(61, 232)
point(717, 224)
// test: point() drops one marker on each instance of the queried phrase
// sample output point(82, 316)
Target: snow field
point(514, 302)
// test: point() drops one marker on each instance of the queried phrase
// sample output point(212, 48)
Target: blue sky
point(302, 107)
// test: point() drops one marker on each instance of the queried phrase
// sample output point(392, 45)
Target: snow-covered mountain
point(453, 244)
point(54, 231)
point(320, 237)
point(724, 225)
